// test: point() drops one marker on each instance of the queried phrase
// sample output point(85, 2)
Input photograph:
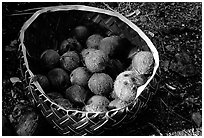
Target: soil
point(176, 31)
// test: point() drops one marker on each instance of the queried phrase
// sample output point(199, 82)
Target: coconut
point(86, 51)
point(117, 103)
point(93, 41)
point(80, 76)
point(64, 103)
point(126, 84)
point(70, 60)
point(59, 79)
point(94, 108)
point(50, 59)
point(116, 47)
point(97, 103)
point(70, 44)
point(76, 94)
point(43, 81)
point(96, 60)
point(142, 62)
point(109, 45)
point(81, 33)
point(100, 84)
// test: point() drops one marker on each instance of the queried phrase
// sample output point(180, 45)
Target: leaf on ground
point(165, 65)
point(170, 87)
point(143, 18)
point(137, 12)
point(11, 119)
point(151, 34)
point(12, 93)
point(12, 46)
point(10, 49)
point(15, 80)
point(197, 118)
point(14, 43)
point(130, 14)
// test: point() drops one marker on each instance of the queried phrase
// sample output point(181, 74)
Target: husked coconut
point(96, 61)
point(93, 41)
point(142, 62)
point(97, 103)
point(70, 60)
point(100, 84)
point(80, 76)
point(126, 84)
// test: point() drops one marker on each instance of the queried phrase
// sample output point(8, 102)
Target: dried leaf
point(197, 118)
point(12, 46)
point(11, 119)
point(15, 79)
point(170, 87)
point(165, 65)
point(130, 14)
point(22, 101)
point(137, 12)
point(143, 18)
point(151, 34)
point(12, 93)
point(9, 48)
point(14, 43)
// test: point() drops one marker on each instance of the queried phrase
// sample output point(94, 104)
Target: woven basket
point(48, 27)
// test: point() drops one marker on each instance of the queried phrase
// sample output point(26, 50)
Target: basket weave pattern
point(75, 122)
point(80, 123)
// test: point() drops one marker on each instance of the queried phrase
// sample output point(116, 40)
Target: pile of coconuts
point(92, 72)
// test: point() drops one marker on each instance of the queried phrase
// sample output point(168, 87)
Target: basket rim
point(91, 9)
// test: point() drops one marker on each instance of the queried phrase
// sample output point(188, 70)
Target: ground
point(174, 29)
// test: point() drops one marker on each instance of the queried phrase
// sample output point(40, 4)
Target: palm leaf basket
point(45, 29)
